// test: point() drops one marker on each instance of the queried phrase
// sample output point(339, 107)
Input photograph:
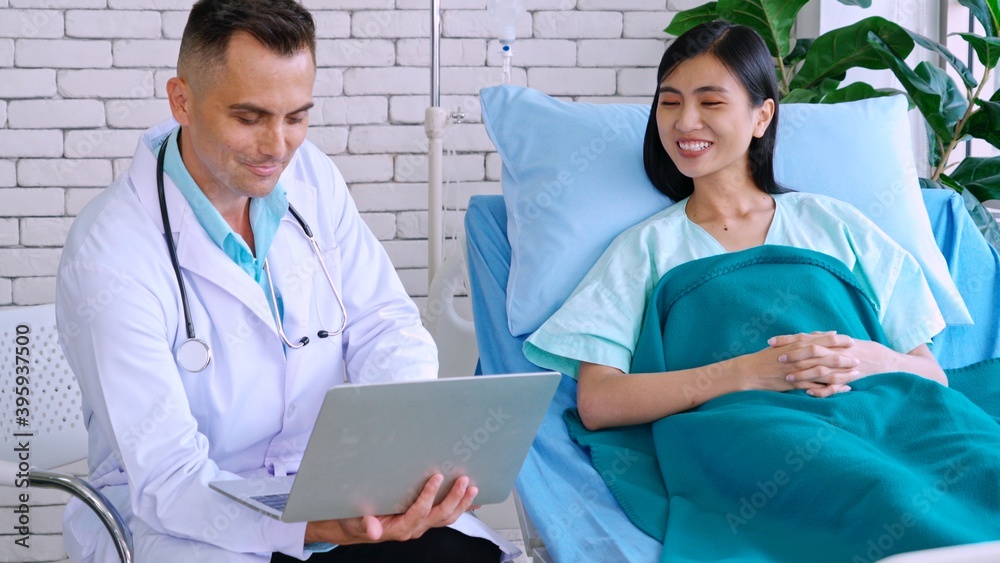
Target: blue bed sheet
point(563, 494)
point(975, 267)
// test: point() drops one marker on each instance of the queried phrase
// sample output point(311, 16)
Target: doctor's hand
point(818, 362)
point(420, 517)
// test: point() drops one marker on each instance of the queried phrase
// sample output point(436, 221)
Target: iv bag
point(504, 14)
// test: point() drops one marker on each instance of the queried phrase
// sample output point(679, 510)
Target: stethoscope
point(194, 354)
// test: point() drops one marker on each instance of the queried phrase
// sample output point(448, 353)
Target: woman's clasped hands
point(822, 363)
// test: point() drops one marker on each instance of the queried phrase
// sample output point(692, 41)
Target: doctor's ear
point(179, 94)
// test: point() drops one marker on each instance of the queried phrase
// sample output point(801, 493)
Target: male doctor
point(214, 366)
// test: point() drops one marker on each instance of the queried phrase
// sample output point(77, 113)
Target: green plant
point(812, 71)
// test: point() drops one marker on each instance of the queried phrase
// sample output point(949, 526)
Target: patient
point(710, 147)
point(745, 286)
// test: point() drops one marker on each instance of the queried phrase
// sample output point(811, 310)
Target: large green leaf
point(981, 175)
point(687, 19)
point(953, 104)
point(984, 194)
point(985, 123)
point(857, 91)
point(935, 150)
point(811, 95)
point(932, 90)
point(838, 50)
point(800, 96)
point(962, 70)
point(987, 12)
point(825, 87)
point(798, 52)
point(987, 48)
point(772, 19)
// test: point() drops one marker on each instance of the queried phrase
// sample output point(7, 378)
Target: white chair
point(40, 402)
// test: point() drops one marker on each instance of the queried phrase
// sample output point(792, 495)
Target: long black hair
point(743, 52)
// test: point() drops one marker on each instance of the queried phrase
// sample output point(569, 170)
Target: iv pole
point(435, 119)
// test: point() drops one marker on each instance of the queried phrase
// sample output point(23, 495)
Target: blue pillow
point(573, 180)
point(860, 152)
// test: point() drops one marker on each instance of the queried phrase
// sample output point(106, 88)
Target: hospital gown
point(600, 321)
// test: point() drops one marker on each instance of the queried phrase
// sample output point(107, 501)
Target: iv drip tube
point(505, 70)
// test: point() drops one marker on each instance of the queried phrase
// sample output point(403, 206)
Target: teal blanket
point(898, 464)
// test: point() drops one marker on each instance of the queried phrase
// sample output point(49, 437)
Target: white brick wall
point(112, 23)
point(80, 80)
point(355, 52)
point(331, 140)
point(646, 24)
point(62, 53)
point(454, 52)
point(146, 53)
point(577, 25)
point(31, 142)
point(618, 53)
point(352, 111)
point(27, 83)
point(31, 24)
point(105, 83)
point(8, 232)
point(8, 175)
point(6, 53)
point(136, 113)
point(52, 114)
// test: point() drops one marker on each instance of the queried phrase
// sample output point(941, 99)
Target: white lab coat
point(159, 434)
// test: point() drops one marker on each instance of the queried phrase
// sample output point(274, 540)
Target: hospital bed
point(568, 503)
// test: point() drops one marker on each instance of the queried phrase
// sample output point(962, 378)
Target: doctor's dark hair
point(283, 26)
point(743, 52)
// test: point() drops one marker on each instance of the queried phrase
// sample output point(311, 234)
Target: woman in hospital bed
point(745, 286)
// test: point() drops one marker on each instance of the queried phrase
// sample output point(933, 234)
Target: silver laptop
point(374, 446)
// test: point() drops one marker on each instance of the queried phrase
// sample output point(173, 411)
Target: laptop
point(374, 446)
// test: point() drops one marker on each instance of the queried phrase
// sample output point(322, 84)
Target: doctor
point(205, 326)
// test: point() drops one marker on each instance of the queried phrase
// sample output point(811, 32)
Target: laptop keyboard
point(276, 502)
